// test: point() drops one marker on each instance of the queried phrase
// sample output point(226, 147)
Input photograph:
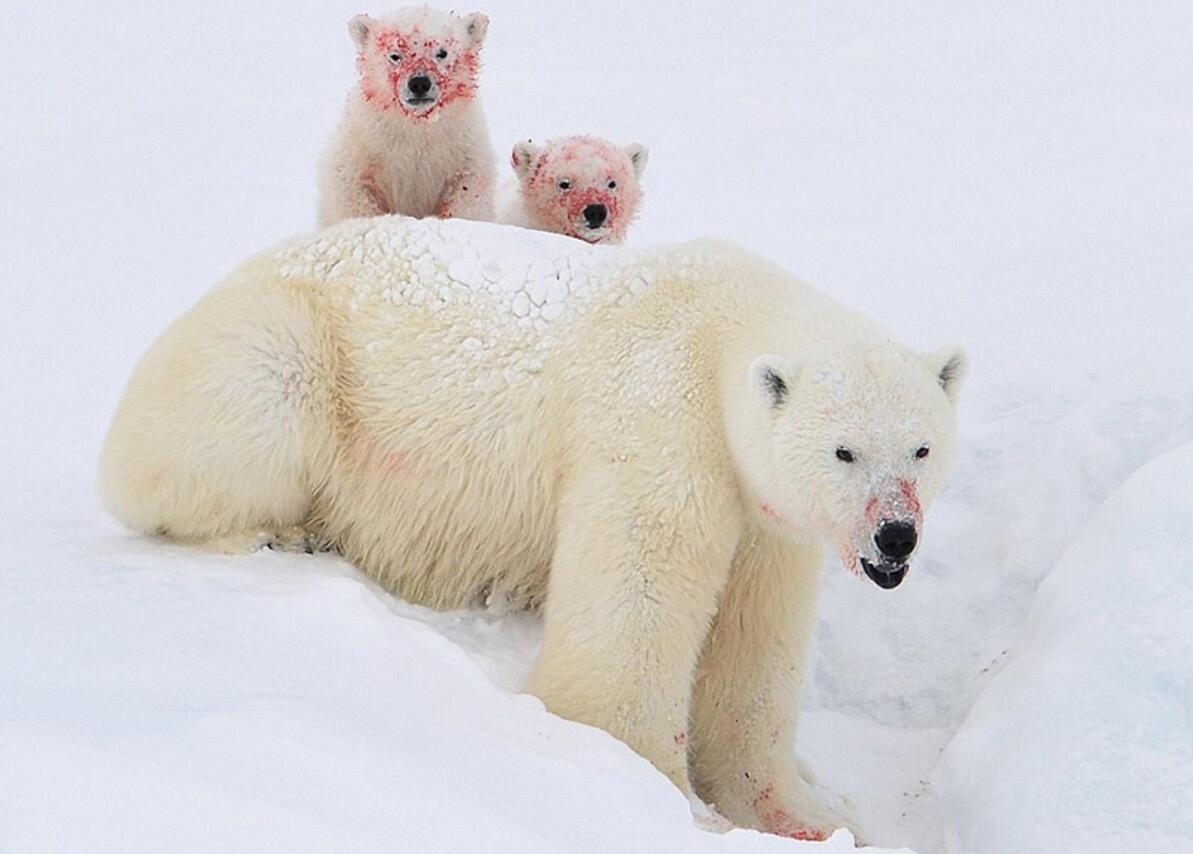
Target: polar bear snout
point(896, 540)
point(595, 215)
point(421, 91)
point(419, 85)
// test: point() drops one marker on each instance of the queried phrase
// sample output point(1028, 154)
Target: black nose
point(419, 86)
point(595, 214)
point(896, 540)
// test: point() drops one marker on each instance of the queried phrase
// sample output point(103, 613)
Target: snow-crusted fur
point(557, 183)
point(645, 444)
point(391, 154)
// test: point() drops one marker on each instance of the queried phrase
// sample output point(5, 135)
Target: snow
point(530, 279)
point(1098, 703)
point(192, 702)
point(1017, 177)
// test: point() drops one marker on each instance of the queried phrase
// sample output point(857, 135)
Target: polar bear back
point(527, 276)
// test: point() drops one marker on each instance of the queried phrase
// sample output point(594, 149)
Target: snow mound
point(1084, 743)
point(159, 699)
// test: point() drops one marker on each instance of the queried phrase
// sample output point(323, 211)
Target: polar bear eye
point(395, 58)
point(565, 184)
point(441, 54)
point(845, 455)
point(612, 185)
point(921, 452)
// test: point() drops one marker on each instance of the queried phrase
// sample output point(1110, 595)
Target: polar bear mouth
point(590, 234)
point(886, 574)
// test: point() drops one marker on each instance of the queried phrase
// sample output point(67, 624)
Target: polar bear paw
point(292, 539)
point(798, 813)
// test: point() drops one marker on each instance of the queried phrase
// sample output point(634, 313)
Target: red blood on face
point(872, 511)
point(908, 490)
point(382, 82)
point(578, 201)
point(589, 166)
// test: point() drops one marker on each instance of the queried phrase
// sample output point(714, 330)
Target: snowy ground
point(1015, 176)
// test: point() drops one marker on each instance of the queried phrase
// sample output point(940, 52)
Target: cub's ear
point(476, 25)
point(771, 379)
point(523, 158)
point(638, 155)
point(950, 365)
point(359, 28)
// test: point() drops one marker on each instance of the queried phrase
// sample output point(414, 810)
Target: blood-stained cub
point(580, 186)
point(413, 138)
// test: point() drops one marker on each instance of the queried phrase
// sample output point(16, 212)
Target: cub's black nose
point(896, 540)
point(419, 86)
point(595, 214)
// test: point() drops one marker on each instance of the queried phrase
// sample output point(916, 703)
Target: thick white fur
point(382, 160)
point(478, 414)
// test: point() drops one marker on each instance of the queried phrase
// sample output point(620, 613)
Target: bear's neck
point(770, 313)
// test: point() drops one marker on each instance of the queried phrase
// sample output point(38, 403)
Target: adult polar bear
point(651, 445)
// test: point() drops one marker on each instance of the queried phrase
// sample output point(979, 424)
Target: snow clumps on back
point(431, 264)
point(580, 186)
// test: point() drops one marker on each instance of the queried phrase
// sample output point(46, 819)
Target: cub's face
point(418, 61)
point(581, 186)
point(860, 443)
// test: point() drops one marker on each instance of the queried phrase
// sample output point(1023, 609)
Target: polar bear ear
point(476, 25)
point(359, 28)
point(523, 157)
point(638, 155)
point(950, 365)
point(771, 378)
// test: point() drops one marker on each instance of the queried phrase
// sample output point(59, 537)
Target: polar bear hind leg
point(221, 438)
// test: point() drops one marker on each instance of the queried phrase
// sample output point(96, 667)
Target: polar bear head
point(418, 61)
point(581, 186)
point(860, 441)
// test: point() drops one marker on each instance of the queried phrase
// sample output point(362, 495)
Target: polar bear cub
point(653, 447)
point(413, 138)
point(580, 186)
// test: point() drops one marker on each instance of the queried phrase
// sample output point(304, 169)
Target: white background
point(1016, 177)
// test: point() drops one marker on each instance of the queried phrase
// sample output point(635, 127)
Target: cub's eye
point(612, 185)
point(565, 184)
point(441, 54)
point(395, 58)
point(845, 455)
point(921, 452)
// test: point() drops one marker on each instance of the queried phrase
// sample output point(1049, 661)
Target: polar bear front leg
point(745, 705)
point(353, 186)
point(468, 196)
point(632, 593)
